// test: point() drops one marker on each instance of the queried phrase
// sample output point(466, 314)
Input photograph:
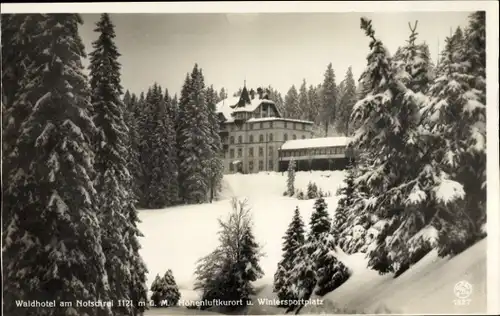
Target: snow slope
point(175, 238)
point(426, 288)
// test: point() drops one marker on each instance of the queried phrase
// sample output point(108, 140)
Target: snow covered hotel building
point(327, 153)
point(252, 131)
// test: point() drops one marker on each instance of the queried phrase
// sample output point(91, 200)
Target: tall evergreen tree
point(456, 117)
point(329, 99)
point(413, 64)
point(134, 166)
point(344, 205)
point(304, 105)
point(401, 180)
point(215, 168)
point(275, 96)
point(139, 142)
point(248, 268)
point(146, 125)
point(303, 276)
point(19, 50)
point(159, 153)
point(346, 103)
point(113, 181)
point(293, 241)
point(292, 109)
point(52, 245)
point(222, 94)
point(194, 140)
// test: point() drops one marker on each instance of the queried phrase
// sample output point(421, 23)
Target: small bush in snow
point(300, 195)
point(312, 190)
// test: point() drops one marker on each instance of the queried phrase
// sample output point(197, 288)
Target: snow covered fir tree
point(293, 240)
point(151, 178)
point(165, 290)
point(227, 273)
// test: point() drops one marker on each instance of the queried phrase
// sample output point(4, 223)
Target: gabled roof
point(238, 104)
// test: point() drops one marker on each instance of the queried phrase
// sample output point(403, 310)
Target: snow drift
point(175, 238)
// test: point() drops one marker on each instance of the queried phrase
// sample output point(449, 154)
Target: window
point(294, 125)
point(240, 152)
point(304, 127)
point(294, 137)
point(285, 137)
point(303, 136)
point(250, 165)
point(231, 139)
point(271, 167)
point(240, 139)
point(250, 152)
point(231, 153)
point(231, 167)
point(270, 137)
point(285, 125)
point(261, 138)
point(251, 138)
point(250, 126)
point(232, 128)
point(261, 125)
point(261, 165)
point(270, 151)
point(271, 124)
point(261, 151)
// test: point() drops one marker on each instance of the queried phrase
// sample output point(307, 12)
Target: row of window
point(270, 152)
point(251, 166)
point(317, 151)
point(270, 138)
point(270, 124)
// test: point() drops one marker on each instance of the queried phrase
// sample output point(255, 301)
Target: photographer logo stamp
point(462, 291)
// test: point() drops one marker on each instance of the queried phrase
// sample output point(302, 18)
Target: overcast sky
point(276, 49)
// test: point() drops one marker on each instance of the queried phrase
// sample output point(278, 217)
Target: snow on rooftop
point(225, 106)
point(265, 119)
point(316, 142)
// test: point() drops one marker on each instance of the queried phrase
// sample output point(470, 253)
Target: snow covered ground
point(426, 288)
point(175, 238)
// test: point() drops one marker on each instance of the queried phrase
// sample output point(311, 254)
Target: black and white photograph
point(260, 158)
